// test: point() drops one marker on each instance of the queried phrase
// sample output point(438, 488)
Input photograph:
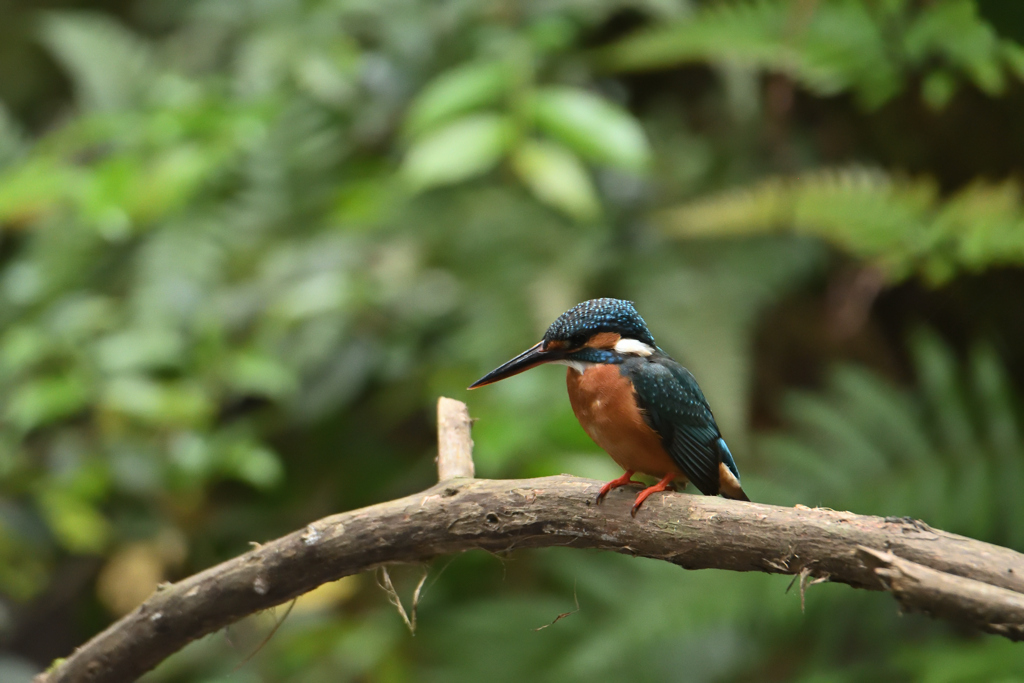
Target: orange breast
point(604, 404)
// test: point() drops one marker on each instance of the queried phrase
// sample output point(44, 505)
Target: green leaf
point(469, 147)
point(556, 177)
point(938, 89)
point(319, 294)
point(46, 400)
point(253, 463)
point(553, 33)
point(1013, 55)
point(36, 186)
point(190, 452)
point(257, 373)
point(21, 347)
point(592, 126)
point(158, 403)
point(455, 92)
point(170, 181)
point(79, 526)
point(139, 349)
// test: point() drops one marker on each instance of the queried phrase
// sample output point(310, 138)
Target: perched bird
point(634, 401)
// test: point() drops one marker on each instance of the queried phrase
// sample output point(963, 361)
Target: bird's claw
point(624, 480)
point(664, 484)
point(639, 501)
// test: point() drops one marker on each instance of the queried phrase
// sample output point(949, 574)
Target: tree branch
point(920, 589)
point(920, 565)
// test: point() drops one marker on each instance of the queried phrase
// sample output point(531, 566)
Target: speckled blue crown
point(600, 315)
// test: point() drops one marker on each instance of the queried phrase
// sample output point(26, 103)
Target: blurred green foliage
point(257, 240)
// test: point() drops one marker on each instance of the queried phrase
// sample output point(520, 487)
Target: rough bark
point(926, 569)
point(920, 589)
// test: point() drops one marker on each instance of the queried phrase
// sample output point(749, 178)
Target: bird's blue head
point(582, 322)
point(595, 331)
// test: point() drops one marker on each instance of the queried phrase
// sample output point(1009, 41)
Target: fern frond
point(949, 451)
point(110, 67)
point(768, 35)
point(954, 31)
point(831, 46)
point(901, 225)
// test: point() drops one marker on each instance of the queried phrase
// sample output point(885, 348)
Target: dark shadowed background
point(244, 246)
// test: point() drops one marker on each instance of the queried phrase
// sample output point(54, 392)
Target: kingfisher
point(640, 406)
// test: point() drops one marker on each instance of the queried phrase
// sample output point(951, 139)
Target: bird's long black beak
point(530, 358)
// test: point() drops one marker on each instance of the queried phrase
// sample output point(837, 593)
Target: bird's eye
point(577, 340)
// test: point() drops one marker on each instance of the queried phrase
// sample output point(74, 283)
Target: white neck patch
point(633, 347)
point(579, 366)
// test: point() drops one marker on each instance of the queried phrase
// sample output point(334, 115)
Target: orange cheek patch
point(553, 345)
point(604, 340)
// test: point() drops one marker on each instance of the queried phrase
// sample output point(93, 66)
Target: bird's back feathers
point(675, 408)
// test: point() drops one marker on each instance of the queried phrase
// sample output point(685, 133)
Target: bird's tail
point(728, 474)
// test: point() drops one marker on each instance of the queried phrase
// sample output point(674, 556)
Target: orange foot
point(624, 480)
point(665, 483)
